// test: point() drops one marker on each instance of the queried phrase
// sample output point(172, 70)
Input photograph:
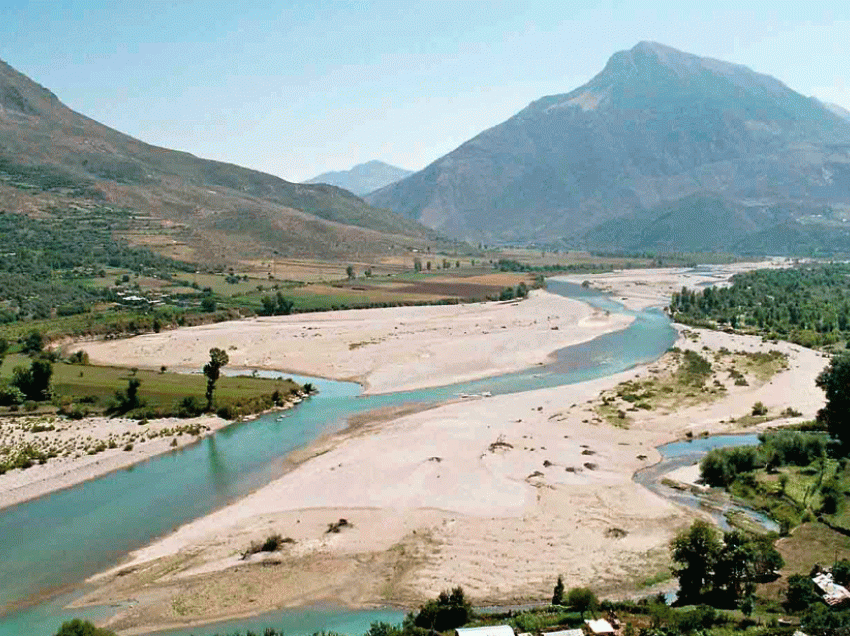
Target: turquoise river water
point(49, 545)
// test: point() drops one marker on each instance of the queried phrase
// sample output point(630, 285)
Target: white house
point(599, 627)
point(490, 630)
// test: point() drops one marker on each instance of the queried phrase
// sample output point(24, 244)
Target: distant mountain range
point(662, 150)
point(52, 157)
point(364, 177)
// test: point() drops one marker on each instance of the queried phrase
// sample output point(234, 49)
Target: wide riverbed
point(51, 544)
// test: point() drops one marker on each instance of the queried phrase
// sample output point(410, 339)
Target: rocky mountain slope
point(657, 132)
point(364, 177)
point(51, 156)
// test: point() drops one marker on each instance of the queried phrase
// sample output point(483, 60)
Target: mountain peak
point(364, 177)
point(646, 56)
point(655, 126)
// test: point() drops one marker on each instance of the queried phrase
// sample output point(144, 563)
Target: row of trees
point(417, 265)
point(277, 306)
point(128, 400)
point(834, 380)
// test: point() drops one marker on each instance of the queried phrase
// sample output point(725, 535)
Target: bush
point(273, 543)
point(190, 406)
point(759, 409)
point(228, 412)
point(721, 466)
point(79, 357)
point(800, 593)
point(33, 343)
point(796, 448)
point(449, 611)
point(10, 394)
point(582, 599)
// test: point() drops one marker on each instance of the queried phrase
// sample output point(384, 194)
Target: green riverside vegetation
point(808, 304)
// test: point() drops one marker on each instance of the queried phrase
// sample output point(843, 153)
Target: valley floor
point(395, 349)
point(499, 495)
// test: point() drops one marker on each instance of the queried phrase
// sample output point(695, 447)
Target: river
point(49, 545)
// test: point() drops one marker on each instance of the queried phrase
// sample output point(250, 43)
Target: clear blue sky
point(304, 87)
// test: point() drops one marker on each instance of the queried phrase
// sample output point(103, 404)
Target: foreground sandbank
point(385, 350)
point(499, 495)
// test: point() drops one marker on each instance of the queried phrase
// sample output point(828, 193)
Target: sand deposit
point(386, 350)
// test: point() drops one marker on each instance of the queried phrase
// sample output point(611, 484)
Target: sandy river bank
point(499, 495)
point(385, 350)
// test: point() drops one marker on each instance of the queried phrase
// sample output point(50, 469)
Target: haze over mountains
point(364, 177)
point(838, 110)
point(200, 210)
point(655, 148)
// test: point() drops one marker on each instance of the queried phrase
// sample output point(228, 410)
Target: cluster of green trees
point(509, 293)
point(834, 380)
point(68, 242)
point(277, 306)
point(45, 178)
point(722, 570)
point(79, 627)
point(809, 305)
point(581, 599)
point(736, 470)
point(28, 383)
point(722, 466)
point(510, 265)
point(803, 598)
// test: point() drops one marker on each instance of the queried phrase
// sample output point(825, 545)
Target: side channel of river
point(686, 453)
point(54, 542)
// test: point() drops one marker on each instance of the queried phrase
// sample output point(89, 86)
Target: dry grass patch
point(810, 543)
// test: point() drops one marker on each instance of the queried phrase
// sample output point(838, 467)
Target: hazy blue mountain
point(657, 130)
point(364, 177)
point(838, 110)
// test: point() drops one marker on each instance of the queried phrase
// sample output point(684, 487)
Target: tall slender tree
point(212, 370)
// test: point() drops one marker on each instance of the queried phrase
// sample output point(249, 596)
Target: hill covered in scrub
point(202, 211)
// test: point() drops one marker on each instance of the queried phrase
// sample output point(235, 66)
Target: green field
point(96, 385)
